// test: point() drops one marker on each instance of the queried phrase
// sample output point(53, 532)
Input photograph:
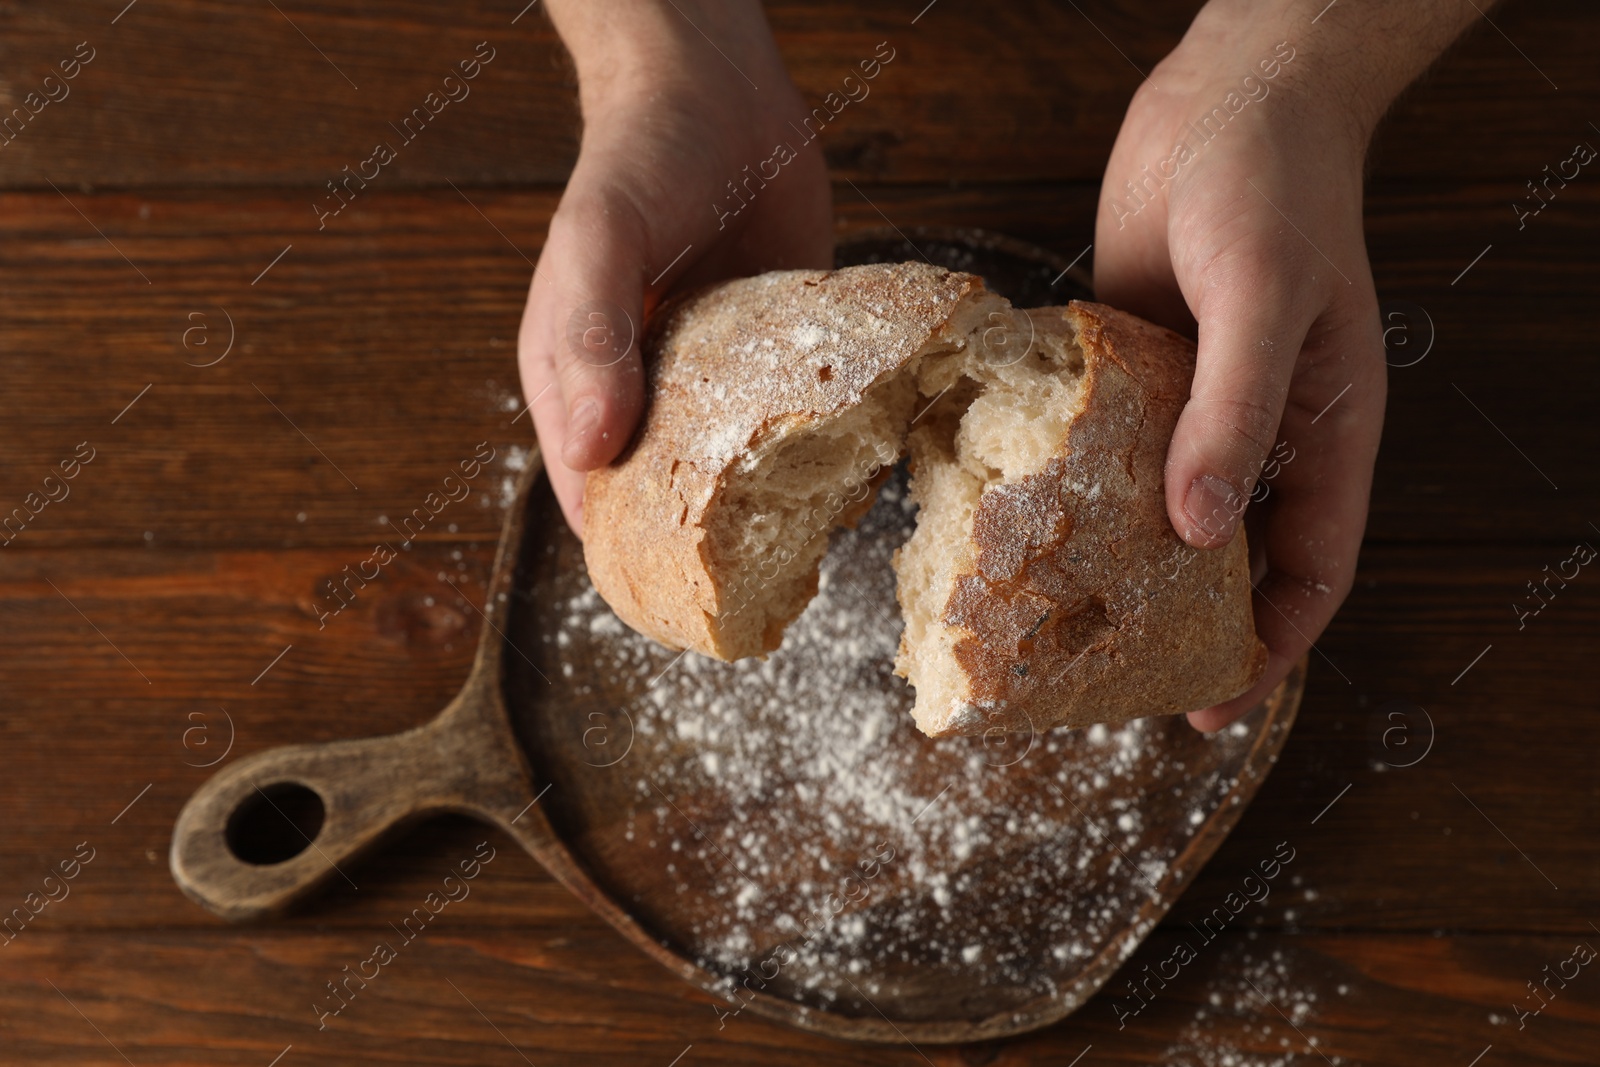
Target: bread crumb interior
point(770, 531)
point(1001, 418)
point(987, 402)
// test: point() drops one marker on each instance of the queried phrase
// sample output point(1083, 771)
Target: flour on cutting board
point(802, 807)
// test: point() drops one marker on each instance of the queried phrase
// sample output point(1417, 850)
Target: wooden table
point(167, 603)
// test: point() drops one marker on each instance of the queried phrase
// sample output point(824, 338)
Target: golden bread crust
point(1079, 603)
point(732, 370)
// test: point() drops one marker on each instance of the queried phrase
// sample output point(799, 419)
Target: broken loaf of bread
point(1037, 590)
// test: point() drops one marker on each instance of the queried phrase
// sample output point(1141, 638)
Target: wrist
point(1348, 66)
point(625, 50)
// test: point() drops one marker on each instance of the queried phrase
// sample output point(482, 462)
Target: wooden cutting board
point(775, 831)
point(783, 825)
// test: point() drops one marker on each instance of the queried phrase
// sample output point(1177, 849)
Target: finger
point(1316, 500)
point(550, 421)
point(1133, 268)
point(1254, 307)
point(1215, 718)
point(592, 314)
point(578, 348)
point(542, 392)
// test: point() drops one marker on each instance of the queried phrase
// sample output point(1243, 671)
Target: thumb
point(1253, 321)
point(593, 306)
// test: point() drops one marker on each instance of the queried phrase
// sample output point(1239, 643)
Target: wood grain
point(202, 625)
point(566, 989)
point(201, 93)
point(196, 139)
point(372, 359)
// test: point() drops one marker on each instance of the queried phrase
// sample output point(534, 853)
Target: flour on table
point(1240, 1025)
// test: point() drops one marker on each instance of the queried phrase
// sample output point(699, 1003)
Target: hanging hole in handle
point(275, 823)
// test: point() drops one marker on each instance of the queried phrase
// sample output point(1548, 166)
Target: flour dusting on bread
point(777, 405)
point(1030, 588)
point(998, 418)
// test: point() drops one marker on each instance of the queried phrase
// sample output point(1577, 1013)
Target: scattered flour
point(773, 787)
point(1241, 1025)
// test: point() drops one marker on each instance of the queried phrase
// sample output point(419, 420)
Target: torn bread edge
point(1036, 588)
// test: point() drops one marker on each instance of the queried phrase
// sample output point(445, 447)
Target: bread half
point(1035, 589)
point(777, 403)
point(1044, 585)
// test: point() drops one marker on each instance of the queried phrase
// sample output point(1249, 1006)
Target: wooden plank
point(569, 990)
point(200, 93)
point(381, 354)
point(192, 549)
point(1473, 389)
point(286, 425)
point(85, 734)
point(1413, 766)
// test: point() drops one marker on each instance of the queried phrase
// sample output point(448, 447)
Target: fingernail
point(1213, 508)
point(581, 420)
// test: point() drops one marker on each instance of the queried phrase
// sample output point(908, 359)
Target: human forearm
point(624, 47)
point(1352, 58)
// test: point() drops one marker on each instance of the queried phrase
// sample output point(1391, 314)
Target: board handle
point(362, 789)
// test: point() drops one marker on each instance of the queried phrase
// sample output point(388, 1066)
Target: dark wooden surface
point(187, 556)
